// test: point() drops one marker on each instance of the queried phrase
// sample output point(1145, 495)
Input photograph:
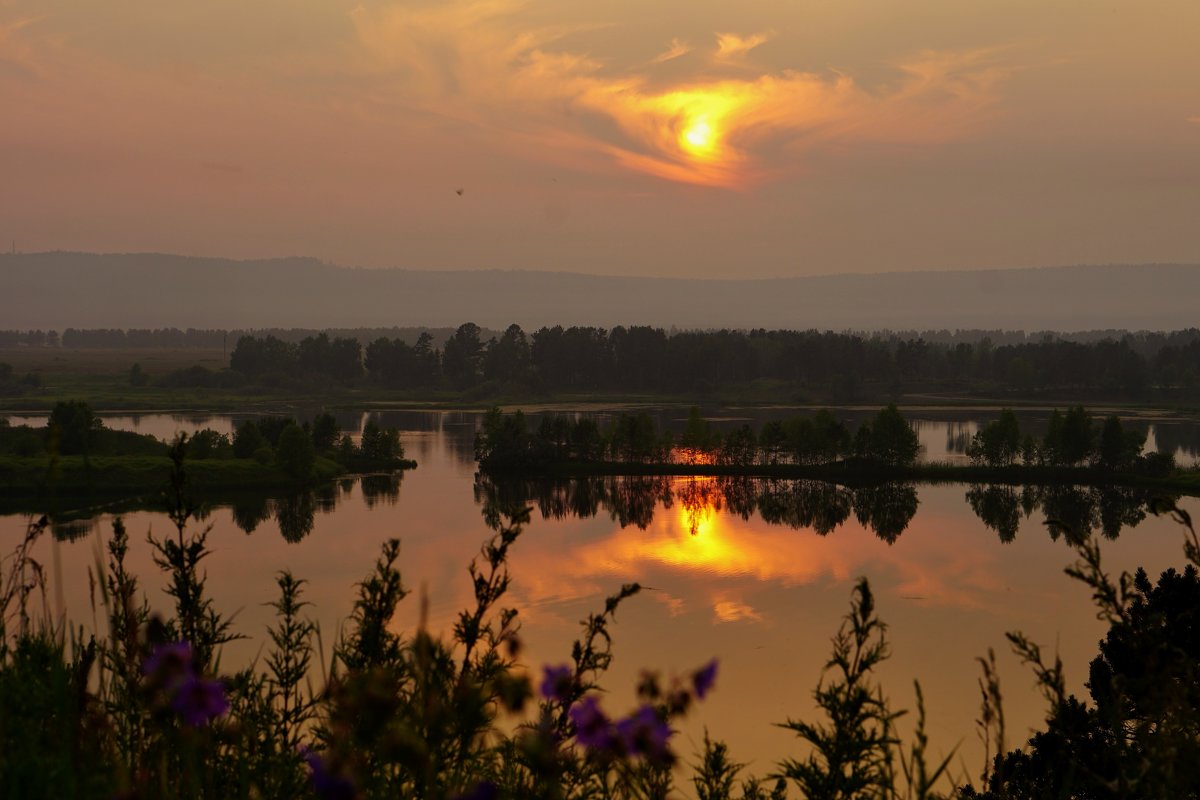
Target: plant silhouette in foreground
point(1140, 735)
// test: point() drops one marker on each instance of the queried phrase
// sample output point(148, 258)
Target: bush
point(380, 446)
point(208, 443)
point(248, 440)
point(295, 453)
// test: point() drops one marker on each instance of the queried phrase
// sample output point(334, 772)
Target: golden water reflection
point(756, 573)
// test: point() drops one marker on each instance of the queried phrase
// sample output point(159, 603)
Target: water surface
point(758, 575)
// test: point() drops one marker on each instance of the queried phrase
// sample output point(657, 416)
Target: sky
point(707, 138)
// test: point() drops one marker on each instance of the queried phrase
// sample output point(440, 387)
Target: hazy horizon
point(384, 267)
point(82, 290)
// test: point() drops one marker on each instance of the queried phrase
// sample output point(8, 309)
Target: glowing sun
point(699, 138)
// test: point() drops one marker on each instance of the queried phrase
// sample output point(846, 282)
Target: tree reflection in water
point(818, 505)
point(251, 511)
point(885, 509)
point(999, 507)
point(379, 489)
point(1077, 511)
point(295, 515)
point(628, 499)
point(699, 498)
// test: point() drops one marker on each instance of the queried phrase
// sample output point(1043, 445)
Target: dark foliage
point(504, 441)
point(836, 366)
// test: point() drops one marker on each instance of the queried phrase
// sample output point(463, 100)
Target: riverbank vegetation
point(144, 706)
point(820, 446)
point(75, 452)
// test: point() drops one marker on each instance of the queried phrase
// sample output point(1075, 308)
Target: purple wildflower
point(704, 678)
point(168, 661)
point(484, 790)
point(325, 784)
point(556, 683)
point(645, 733)
point(197, 701)
point(592, 728)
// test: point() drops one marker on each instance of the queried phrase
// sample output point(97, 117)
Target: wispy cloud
point(727, 610)
point(474, 59)
point(732, 48)
point(17, 53)
point(676, 49)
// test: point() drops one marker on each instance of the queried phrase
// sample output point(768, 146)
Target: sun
point(699, 138)
point(699, 135)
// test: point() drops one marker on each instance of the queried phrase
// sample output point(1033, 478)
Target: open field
point(61, 361)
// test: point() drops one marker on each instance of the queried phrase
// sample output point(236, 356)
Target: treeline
point(839, 366)
point(505, 441)
point(282, 442)
point(177, 338)
point(1073, 439)
point(1146, 343)
point(836, 367)
point(30, 338)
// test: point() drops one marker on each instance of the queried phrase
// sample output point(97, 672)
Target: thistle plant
point(196, 619)
point(853, 754)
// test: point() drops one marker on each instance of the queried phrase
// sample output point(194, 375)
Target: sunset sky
point(709, 139)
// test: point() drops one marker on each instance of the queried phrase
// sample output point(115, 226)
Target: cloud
point(16, 53)
point(524, 85)
point(728, 560)
point(475, 60)
point(735, 611)
point(732, 48)
point(675, 50)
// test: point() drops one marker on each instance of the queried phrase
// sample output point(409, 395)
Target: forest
point(646, 359)
point(828, 366)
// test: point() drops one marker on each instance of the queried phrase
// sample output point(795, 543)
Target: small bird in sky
point(458, 192)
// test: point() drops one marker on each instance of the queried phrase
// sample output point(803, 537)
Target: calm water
point(758, 575)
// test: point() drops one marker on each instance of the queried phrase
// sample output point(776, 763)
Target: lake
point(756, 574)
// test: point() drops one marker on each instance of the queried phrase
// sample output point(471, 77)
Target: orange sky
point(763, 138)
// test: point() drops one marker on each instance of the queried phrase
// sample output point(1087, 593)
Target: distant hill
point(146, 290)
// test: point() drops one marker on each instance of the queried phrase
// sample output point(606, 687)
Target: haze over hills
point(58, 289)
